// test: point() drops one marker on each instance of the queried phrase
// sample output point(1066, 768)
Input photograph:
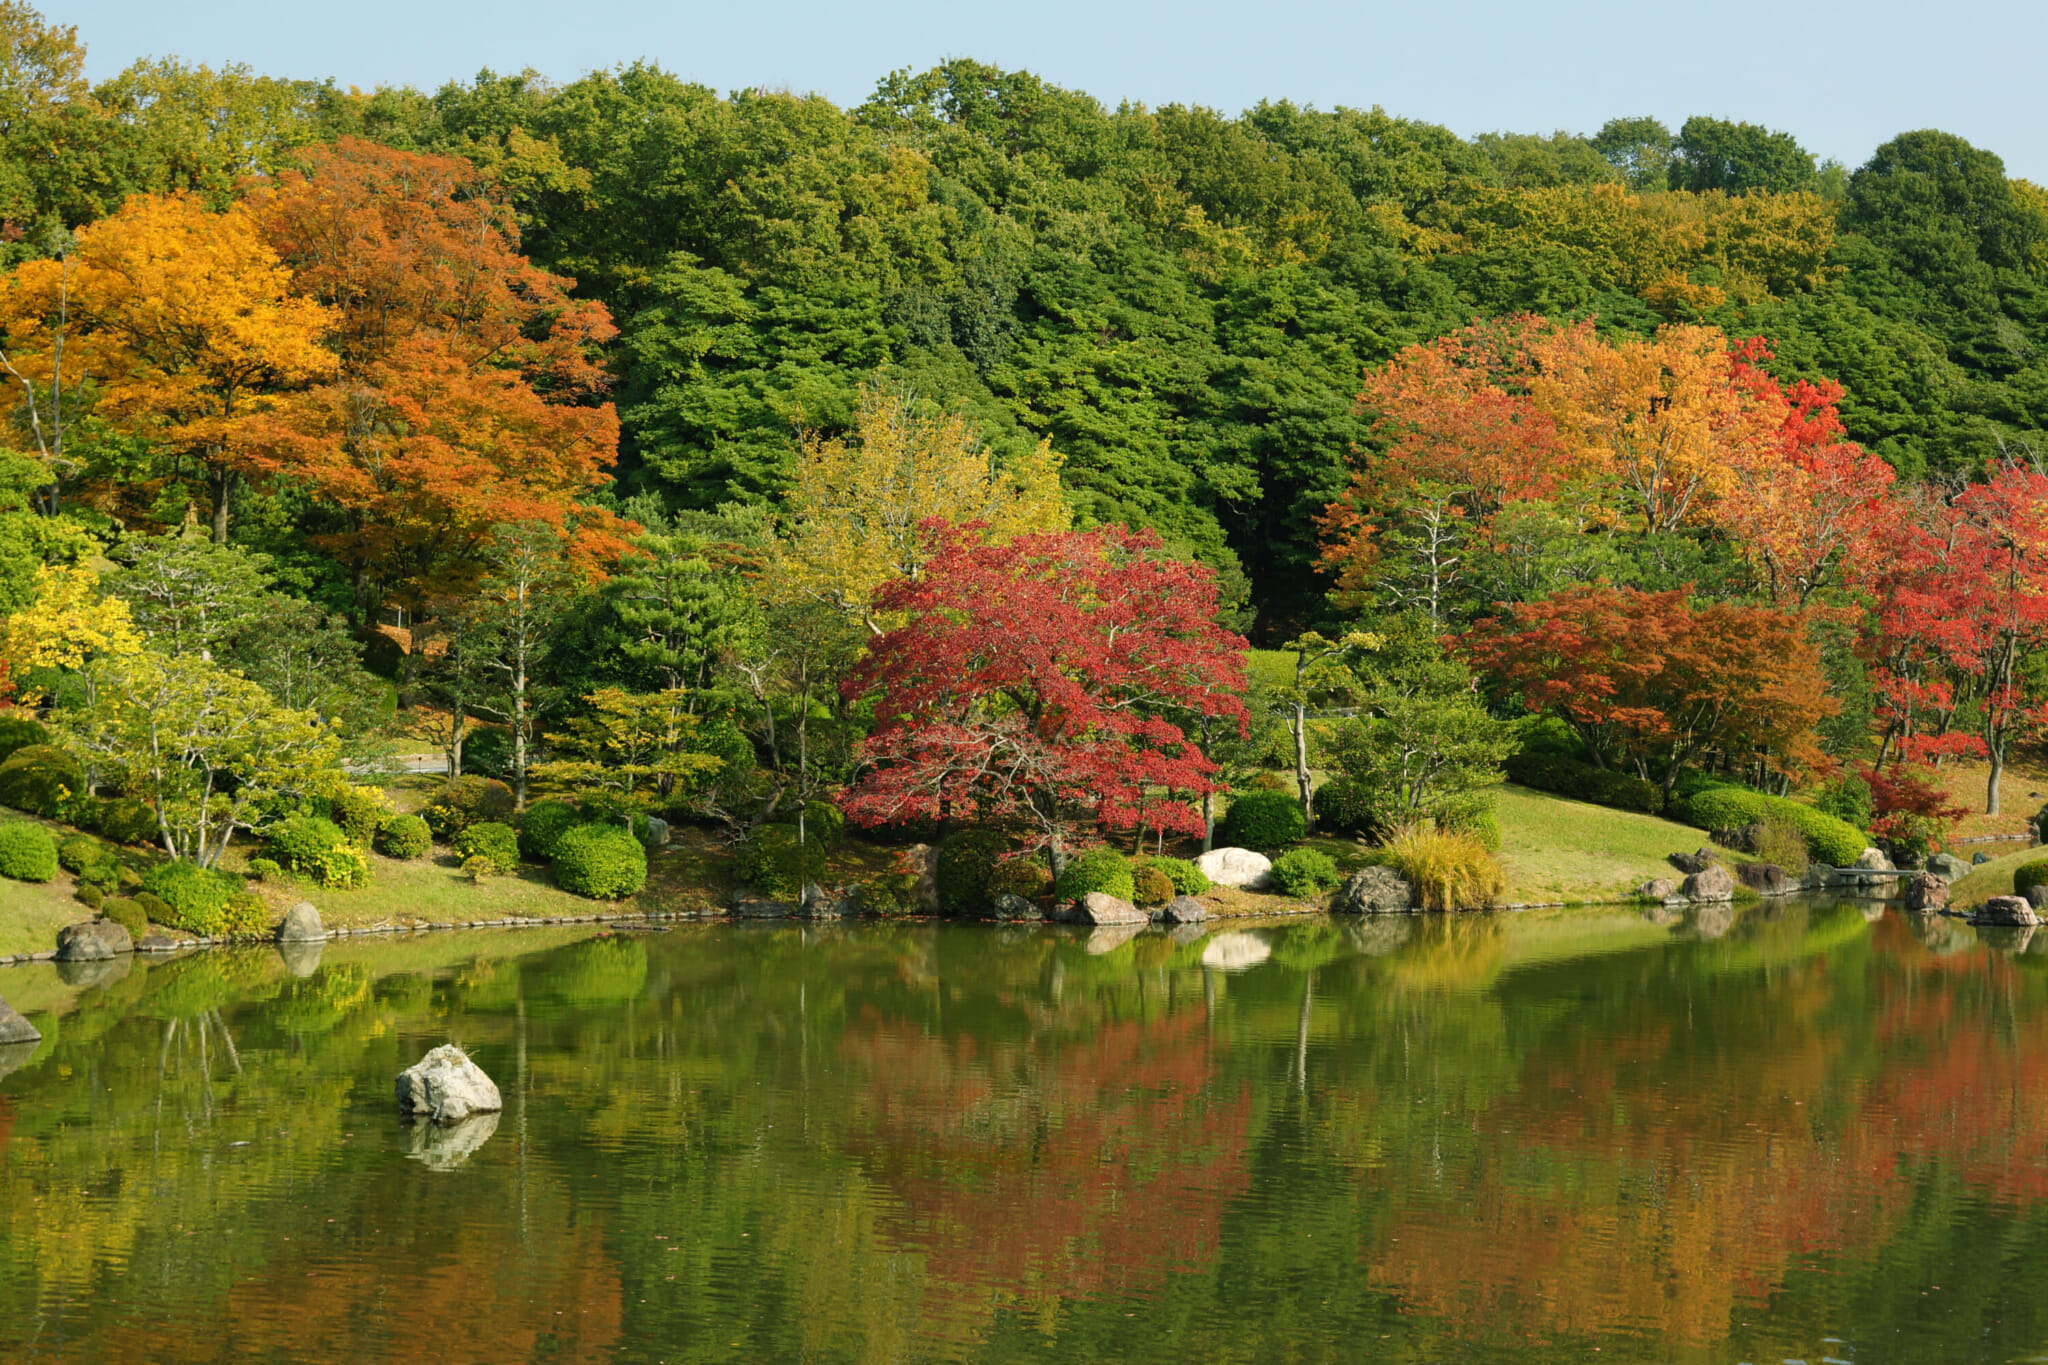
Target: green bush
point(1304, 872)
point(601, 861)
point(359, 813)
point(480, 867)
point(1348, 805)
point(128, 915)
point(90, 896)
point(1263, 820)
point(891, 896)
point(1187, 879)
point(771, 861)
point(495, 843)
point(78, 852)
point(343, 867)
point(1099, 869)
point(128, 820)
point(542, 827)
point(17, 732)
point(824, 821)
point(1475, 818)
point(404, 837)
point(1150, 886)
point(154, 906)
point(2029, 875)
point(190, 897)
point(27, 852)
point(40, 779)
point(1025, 876)
point(966, 861)
point(264, 869)
point(1829, 840)
point(467, 801)
point(1562, 776)
point(106, 876)
point(1848, 799)
point(248, 917)
point(302, 843)
point(487, 753)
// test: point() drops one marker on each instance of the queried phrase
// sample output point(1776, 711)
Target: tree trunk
point(1301, 774)
point(519, 742)
point(1991, 783)
point(223, 487)
point(1208, 822)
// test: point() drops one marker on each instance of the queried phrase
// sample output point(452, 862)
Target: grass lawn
point(1560, 850)
point(31, 913)
point(1991, 879)
point(2022, 790)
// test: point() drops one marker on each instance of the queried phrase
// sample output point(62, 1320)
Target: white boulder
point(1239, 867)
point(446, 1087)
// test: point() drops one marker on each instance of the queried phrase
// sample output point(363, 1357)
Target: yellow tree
point(858, 511)
point(183, 319)
point(68, 626)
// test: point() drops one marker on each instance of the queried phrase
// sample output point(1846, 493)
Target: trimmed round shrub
point(128, 915)
point(1304, 872)
point(496, 844)
point(40, 779)
point(27, 852)
point(467, 801)
point(1263, 821)
point(1025, 876)
point(479, 868)
point(1098, 869)
point(2029, 875)
point(885, 897)
point(90, 896)
point(190, 897)
point(78, 852)
point(1345, 805)
point(344, 866)
point(1187, 879)
point(303, 842)
point(128, 820)
point(771, 861)
point(1150, 886)
point(106, 876)
point(404, 837)
point(248, 917)
point(154, 906)
point(542, 827)
point(264, 869)
point(1564, 776)
point(17, 732)
point(601, 861)
point(1829, 840)
point(1477, 820)
point(966, 861)
point(359, 813)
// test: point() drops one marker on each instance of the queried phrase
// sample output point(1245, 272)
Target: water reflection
point(1779, 1132)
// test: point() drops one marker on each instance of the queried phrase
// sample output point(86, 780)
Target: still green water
point(1809, 1135)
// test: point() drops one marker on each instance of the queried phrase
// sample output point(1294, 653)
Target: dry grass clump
point(1446, 869)
point(1783, 843)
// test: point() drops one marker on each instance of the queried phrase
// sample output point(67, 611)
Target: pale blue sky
point(1842, 77)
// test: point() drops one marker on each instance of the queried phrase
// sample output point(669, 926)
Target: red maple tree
point(1044, 682)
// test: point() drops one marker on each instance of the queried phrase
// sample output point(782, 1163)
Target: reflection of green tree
point(317, 1003)
point(601, 971)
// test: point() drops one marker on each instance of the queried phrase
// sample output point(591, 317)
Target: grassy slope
point(1554, 849)
point(1993, 878)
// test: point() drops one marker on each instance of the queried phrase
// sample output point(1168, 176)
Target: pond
point(1808, 1132)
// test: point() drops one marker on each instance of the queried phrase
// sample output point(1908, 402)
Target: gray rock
point(822, 902)
point(445, 1086)
point(1947, 866)
point(443, 1147)
point(1239, 867)
point(2008, 910)
point(657, 832)
point(1743, 839)
point(157, 941)
point(2037, 895)
point(14, 1028)
point(1980, 856)
point(1012, 906)
point(1099, 907)
point(1183, 910)
point(1711, 884)
point(83, 942)
point(1926, 892)
point(1234, 952)
point(1873, 860)
point(1767, 879)
point(1658, 889)
point(301, 924)
point(1374, 891)
point(1690, 863)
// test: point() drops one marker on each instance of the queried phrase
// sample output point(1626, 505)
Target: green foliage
point(128, 820)
point(1150, 886)
point(154, 906)
point(542, 826)
point(1848, 799)
point(487, 753)
point(344, 867)
point(128, 915)
point(1350, 805)
point(466, 801)
point(1263, 821)
point(1187, 879)
point(773, 862)
point(40, 779)
point(1828, 840)
point(18, 732)
point(1715, 154)
point(824, 822)
point(1907, 837)
point(1304, 872)
point(80, 851)
point(890, 896)
point(1562, 776)
point(265, 869)
point(966, 861)
point(193, 898)
point(246, 917)
point(27, 852)
point(359, 813)
point(90, 896)
point(1097, 869)
point(480, 867)
point(301, 843)
point(404, 837)
point(1025, 875)
point(495, 843)
point(2027, 876)
point(603, 862)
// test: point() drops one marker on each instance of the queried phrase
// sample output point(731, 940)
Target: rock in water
point(1374, 891)
point(1767, 879)
point(1947, 866)
point(1711, 884)
point(2008, 910)
point(1873, 860)
point(1099, 907)
point(446, 1087)
point(1239, 867)
point(1926, 892)
point(1010, 905)
point(14, 1028)
point(301, 925)
point(1183, 910)
point(1658, 889)
point(83, 942)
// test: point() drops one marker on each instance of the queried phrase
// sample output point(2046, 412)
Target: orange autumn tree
point(470, 392)
point(182, 322)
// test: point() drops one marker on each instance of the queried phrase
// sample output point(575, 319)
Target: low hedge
point(1345, 805)
point(193, 898)
point(128, 915)
point(601, 861)
point(79, 852)
point(128, 820)
point(1099, 869)
point(40, 779)
point(1263, 820)
point(1833, 842)
point(27, 852)
point(1187, 879)
point(1026, 876)
point(542, 826)
point(1150, 886)
point(316, 847)
point(1562, 776)
point(359, 813)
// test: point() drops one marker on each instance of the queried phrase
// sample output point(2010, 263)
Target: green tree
point(1715, 154)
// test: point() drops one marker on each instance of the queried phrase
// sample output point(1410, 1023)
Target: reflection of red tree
point(1037, 1169)
point(1653, 1181)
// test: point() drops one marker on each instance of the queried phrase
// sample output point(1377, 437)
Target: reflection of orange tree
point(1652, 1173)
point(1037, 1169)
